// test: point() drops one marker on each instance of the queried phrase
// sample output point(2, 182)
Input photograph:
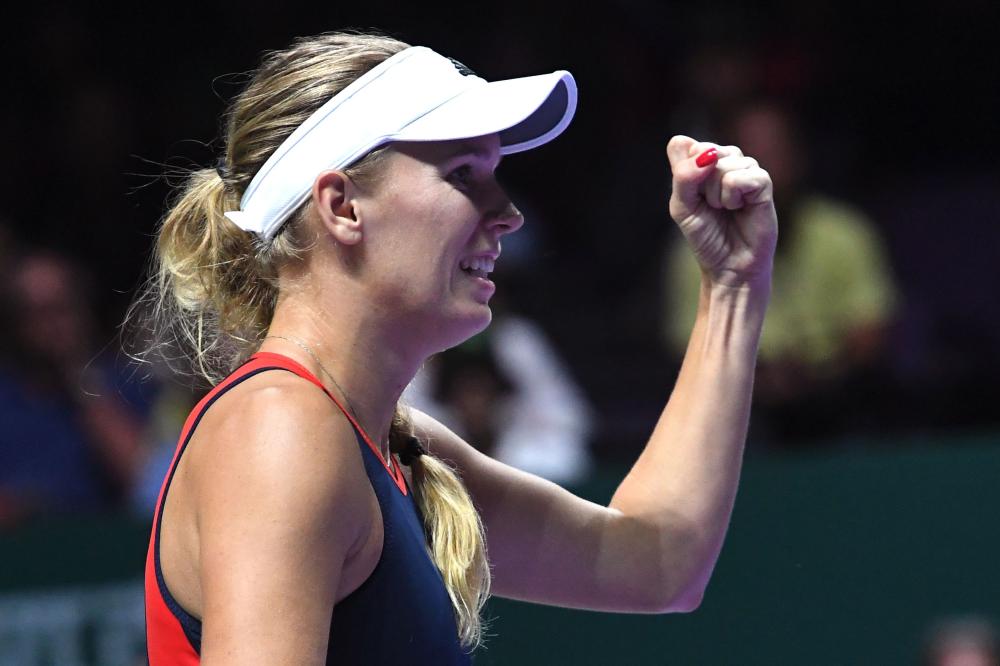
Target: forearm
point(681, 489)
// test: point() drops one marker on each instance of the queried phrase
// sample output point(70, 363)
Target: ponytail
point(454, 530)
point(208, 300)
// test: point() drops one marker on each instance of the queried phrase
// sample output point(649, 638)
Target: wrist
point(755, 287)
point(745, 301)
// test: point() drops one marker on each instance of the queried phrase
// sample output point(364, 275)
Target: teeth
point(478, 264)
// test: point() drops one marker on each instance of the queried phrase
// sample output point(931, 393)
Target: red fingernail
point(707, 158)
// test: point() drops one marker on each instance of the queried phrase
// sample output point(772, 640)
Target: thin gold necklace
point(295, 341)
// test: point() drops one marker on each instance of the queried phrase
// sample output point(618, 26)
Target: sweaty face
point(432, 231)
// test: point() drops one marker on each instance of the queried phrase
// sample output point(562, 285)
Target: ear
point(333, 196)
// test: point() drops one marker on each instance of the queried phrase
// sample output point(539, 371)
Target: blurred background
point(865, 531)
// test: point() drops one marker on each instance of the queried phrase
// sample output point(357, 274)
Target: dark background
point(899, 106)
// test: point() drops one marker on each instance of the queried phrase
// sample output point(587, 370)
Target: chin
point(459, 329)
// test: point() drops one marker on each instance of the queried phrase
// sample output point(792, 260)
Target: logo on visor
point(462, 69)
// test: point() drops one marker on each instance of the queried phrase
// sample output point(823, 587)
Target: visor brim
point(526, 112)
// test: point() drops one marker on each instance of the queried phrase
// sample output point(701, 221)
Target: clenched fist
point(723, 203)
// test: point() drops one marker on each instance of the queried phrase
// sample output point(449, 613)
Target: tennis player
point(348, 233)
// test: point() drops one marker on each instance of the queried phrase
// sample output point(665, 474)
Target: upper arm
point(279, 509)
point(547, 545)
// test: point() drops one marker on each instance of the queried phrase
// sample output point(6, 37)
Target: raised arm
point(654, 547)
point(684, 483)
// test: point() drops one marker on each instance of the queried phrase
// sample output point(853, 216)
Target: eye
point(462, 176)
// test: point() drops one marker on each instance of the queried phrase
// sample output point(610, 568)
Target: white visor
point(416, 95)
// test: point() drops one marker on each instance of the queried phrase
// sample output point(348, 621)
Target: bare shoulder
point(439, 439)
point(472, 465)
point(281, 439)
point(492, 484)
point(282, 503)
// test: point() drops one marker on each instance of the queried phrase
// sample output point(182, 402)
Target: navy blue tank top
point(400, 615)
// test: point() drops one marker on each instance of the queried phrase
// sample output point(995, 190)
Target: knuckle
point(699, 147)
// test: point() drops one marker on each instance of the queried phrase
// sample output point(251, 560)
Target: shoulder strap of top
point(268, 360)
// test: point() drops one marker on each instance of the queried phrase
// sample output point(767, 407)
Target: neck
point(363, 363)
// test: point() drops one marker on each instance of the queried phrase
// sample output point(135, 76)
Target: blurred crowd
point(881, 321)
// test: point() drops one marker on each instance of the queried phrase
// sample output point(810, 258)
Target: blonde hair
point(213, 287)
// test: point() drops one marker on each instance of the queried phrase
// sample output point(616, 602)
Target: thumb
point(690, 162)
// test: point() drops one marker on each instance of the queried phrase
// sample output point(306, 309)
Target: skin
point(271, 520)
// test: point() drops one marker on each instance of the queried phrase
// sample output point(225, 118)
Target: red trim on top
point(166, 642)
point(395, 472)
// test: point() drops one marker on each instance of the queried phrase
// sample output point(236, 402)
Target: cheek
point(411, 265)
point(430, 241)
point(421, 237)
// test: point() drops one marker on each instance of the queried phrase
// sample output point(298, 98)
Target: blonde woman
point(346, 235)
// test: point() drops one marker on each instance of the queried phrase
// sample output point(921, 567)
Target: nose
point(507, 220)
point(503, 216)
